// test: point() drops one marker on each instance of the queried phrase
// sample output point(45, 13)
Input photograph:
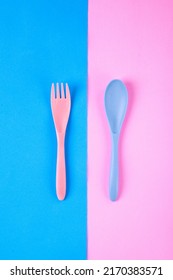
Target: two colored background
point(86, 45)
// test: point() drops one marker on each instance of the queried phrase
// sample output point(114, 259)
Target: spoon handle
point(113, 183)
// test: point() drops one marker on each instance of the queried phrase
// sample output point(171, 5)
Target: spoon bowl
point(116, 99)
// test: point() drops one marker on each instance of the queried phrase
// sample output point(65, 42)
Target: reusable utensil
point(116, 99)
point(60, 104)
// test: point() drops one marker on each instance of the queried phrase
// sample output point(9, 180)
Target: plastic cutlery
point(60, 104)
point(116, 100)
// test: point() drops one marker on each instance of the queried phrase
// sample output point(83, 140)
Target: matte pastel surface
point(41, 42)
point(132, 41)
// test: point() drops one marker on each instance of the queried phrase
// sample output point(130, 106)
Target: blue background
point(41, 42)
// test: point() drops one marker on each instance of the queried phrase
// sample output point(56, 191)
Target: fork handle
point(60, 168)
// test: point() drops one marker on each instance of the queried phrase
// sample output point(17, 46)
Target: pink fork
point(60, 104)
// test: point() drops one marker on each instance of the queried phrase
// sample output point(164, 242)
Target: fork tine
point(62, 91)
point(67, 91)
point(57, 91)
point(52, 92)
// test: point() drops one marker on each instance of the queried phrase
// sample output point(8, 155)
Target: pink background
point(132, 40)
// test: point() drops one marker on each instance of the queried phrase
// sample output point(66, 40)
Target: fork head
point(60, 104)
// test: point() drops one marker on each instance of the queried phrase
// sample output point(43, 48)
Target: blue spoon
point(116, 99)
